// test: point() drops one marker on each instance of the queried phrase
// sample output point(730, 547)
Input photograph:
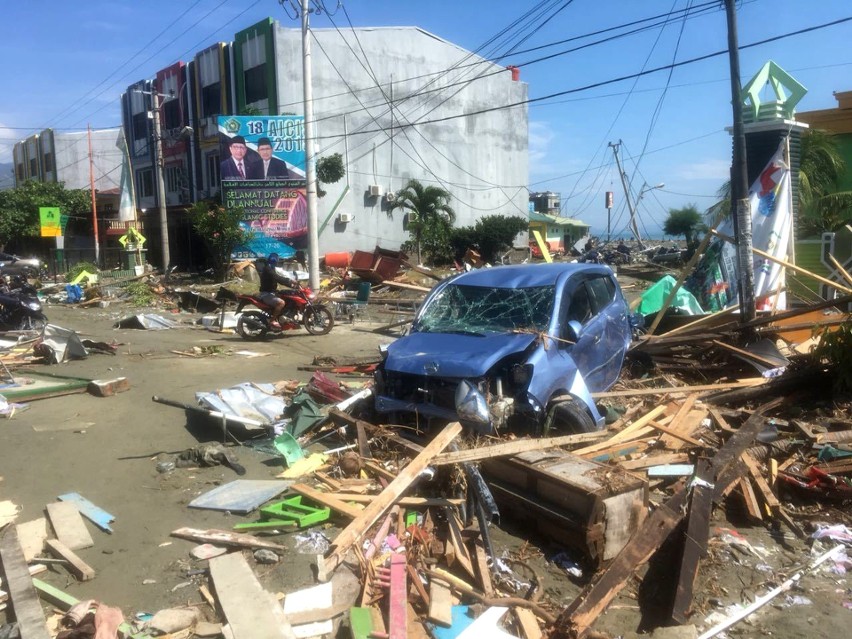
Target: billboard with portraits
point(262, 168)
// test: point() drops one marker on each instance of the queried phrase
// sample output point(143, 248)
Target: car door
point(613, 324)
point(590, 352)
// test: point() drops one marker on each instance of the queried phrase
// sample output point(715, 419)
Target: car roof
point(527, 275)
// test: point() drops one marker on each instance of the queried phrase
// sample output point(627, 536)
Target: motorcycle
point(301, 310)
point(20, 308)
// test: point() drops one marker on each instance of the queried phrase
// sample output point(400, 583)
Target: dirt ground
point(107, 450)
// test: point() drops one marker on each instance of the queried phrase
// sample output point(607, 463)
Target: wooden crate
point(581, 504)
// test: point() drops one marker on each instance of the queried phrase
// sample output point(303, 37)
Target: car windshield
point(479, 310)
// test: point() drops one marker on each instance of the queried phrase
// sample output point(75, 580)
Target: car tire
point(570, 417)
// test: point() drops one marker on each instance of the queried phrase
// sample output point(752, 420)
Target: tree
point(490, 235)
point(19, 215)
point(220, 229)
point(427, 206)
point(329, 170)
point(685, 221)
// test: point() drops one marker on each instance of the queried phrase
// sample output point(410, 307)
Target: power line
point(617, 79)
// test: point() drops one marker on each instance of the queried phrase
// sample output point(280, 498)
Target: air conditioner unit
point(390, 197)
point(375, 190)
point(344, 218)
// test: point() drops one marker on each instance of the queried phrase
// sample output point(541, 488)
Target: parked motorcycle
point(301, 310)
point(20, 308)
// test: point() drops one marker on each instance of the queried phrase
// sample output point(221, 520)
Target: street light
point(646, 188)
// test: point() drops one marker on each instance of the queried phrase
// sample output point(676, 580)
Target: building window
point(140, 126)
point(33, 168)
point(21, 172)
point(256, 84)
point(212, 171)
point(48, 162)
point(211, 99)
point(173, 178)
point(171, 114)
point(145, 182)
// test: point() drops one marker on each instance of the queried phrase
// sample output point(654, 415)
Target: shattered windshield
point(477, 310)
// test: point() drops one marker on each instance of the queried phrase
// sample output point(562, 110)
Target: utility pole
point(94, 198)
point(740, 209)
point(310, 165)
point(633, 226)
point(161, 187)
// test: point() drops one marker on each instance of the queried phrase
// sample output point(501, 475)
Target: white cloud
point(716, 170)
point(8, 138)
point(540, 136)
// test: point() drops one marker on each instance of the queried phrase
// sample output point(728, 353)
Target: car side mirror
point(573, 331)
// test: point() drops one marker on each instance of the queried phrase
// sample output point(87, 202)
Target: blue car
point(517, 348)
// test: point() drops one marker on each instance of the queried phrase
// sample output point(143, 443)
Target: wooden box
point(590, 507)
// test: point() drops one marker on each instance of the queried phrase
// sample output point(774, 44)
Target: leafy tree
point(490, 235)
point(427, 207)
point(220, 229)
point(19, 217)
point(685, 221)
point(329, 170)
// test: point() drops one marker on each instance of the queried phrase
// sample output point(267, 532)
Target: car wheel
point(568, 417)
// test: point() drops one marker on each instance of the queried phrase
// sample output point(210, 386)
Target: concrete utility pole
point(739, 177)
point(310, 165)
point(633, 225)
point(94, 198)
point(161, 187)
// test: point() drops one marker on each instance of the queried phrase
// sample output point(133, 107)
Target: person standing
point(272, 167)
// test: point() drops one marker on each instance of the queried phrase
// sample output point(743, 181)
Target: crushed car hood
point(448, 355)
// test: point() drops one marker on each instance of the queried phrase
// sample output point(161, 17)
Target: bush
point(491, 236)
point(78, 268)
point(835, 348)
point(140, 294)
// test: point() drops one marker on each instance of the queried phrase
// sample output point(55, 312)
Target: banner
point(262, 168)
point(50, 221)
point(716, 279)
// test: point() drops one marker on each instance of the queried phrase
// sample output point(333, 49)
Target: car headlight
point(470, 404)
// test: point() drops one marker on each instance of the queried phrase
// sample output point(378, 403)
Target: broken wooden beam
point(361, 524)
point(76, 566)
point(513, 448)
point(25, 603)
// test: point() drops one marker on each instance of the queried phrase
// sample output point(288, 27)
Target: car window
point(602, 291)
point(580, 308)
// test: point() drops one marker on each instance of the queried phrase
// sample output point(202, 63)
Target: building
point(391, 100)
point(56, 156)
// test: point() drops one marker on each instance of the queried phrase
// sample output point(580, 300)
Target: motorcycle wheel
point(30, 323)
point(252, 326)
point(318, 320)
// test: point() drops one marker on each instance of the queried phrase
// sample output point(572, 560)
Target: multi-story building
point(398, 103)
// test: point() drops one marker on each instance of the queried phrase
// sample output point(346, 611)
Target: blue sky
point(67, 63)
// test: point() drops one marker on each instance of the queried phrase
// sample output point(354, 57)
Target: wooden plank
point(31, 535)
point(68, 525)
point(440, 603)
point(752, 505)
point(677, 435)
point(101, 518)
point(225, 538)
point(695, 543)
point(251, 611)
point(415, 628)
point(418, 584)
point(701, 388)
point(398, 598)
point(462, 553)
point(22, 593)
point(327, 499)
point(528, 623)
point(482, 570)
point(634, 429)
point(679, 416)
point(654, 460)
point(761, 484)
point(746, 354)
point(374, 510)
point(76, 566)
point(513, 448)
point(406, 502)
point(360, 623)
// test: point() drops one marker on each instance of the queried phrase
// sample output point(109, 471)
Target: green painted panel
point(263, 29)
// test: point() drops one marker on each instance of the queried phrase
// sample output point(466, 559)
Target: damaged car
point(518, 348)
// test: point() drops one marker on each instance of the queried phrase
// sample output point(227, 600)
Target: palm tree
point(820, 168)
point(426, 206)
